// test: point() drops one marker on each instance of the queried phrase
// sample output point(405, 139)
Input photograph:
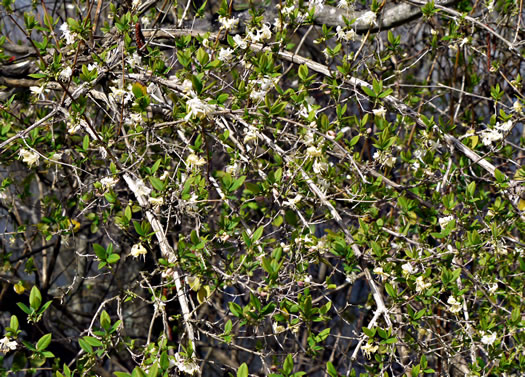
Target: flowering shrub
point(302, 188)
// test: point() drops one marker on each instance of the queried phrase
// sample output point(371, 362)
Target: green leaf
point(24, 308)
point(138, 228)
point(85, 346)
point(13, 324)
point(390, 290)
point(237, 183)
point(85, 143)
point(288, 364)
point(156, 183)
point(113, 258)
point(139, 90)
point(100, 252)
point(153, 370)
point(369, 332)
point(330, 369)
point(43, 342)
point(257, 234)
point(35, 298)
point(242, 371)
point(105, 320)
point(368, 91)
point(303, 72)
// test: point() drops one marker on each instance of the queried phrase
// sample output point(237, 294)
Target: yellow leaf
point(193, 282)
point(19, 287)
point(203, 293)
point(521, 205)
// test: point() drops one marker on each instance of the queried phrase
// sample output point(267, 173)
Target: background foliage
point(277, 188)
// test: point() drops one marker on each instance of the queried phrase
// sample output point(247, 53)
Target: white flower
point(198, 108)
point(314, 152)
point(156, 201)
point(108, 182)
point(139, 188)
point(326, 53)
point(488, 339)
point(344, 4)
point(463, 42)
point(258, 95)
point(493, 288)
point(7, 345)
point(379, 272)
point(504, 127)
point(65, 74)
point(185, 365)
point(137, 250)
point(443, 221)
point(73, 127)
point(228, 23)
point(368, 349)
point(195, 160)
point(292, 202)
point(278, 328)
point(490, 136)
point(67, 34)
point(308, 279)
point(518, 107)
point(408, 269)
point(381, 112)
point(234, 169)
point(319, 167)
point(345, 35)
point(250, 134)
point(187, 86)
point(240, 42)
point(368, 18)
point(39, 91)
point(316, 4)
point(421, 285)
point(57, 156)
point(261, 34)
point(164, 175)
point(119, 94)
point(225, 54)
point(455, 305)
point(135, 60)
point(490, 5)
point(29, 157)
point(93, 66)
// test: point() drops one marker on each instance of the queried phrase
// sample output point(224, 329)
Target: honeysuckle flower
point(490, 136)
point(164, 175)
point(490, 6)
point(7, 345)
point(73, 127)
point(443, 221)
point(379, 272)
point(250, 134)
point(234, 169)
point(156, 201)
point(504, 127)
point(187, 86)
point(278, 328)
point(493, 288)
point(198, 109)
point(108, 182)
point(518, 107)
point(258, 95)
point(185, 365)
point(345, 35)
point(381, 112)
point(138, 250)
point(345, 4)
point(92, 66)
point(313, 151)
point(240, 42)
point(292, 202)
point(455, 305)
point(225, 54)
point(489, 338)
point(135, 60)
point(65, 74)
point(120, 94)
point(39, 91)
point(29, 157)
point(67, 34)
point(368, 349)
point(408, 269)
point(140, 188)
point(228, 23)
point(421, 285)
point(368, 18)
point(195, 160)
point(316, 4)
point(319, 167)
point(260, 35)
